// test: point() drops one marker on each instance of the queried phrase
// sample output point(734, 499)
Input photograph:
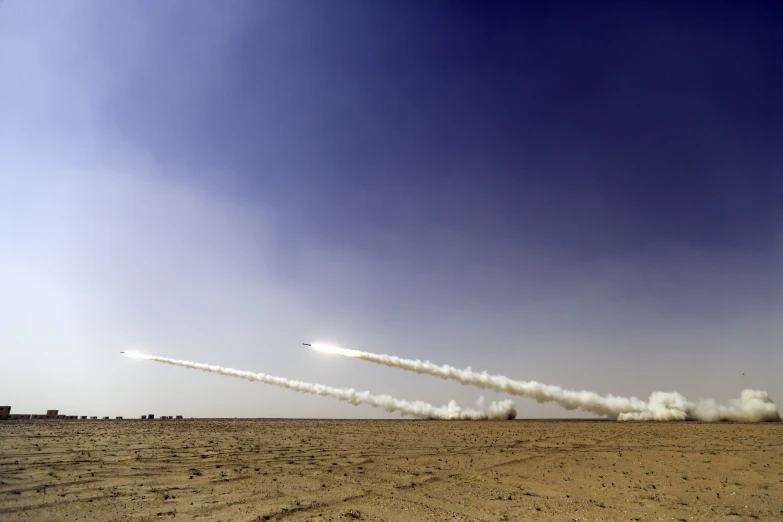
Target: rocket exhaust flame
point(328, 348)
point(752, 406)
point(502, 410)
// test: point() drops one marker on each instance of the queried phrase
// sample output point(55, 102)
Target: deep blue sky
point(460, 181)
point(590, 130)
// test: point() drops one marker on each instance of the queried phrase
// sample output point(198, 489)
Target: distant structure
point(179, 416)
point(5, 414)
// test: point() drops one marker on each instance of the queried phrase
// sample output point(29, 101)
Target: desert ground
point(228, 470)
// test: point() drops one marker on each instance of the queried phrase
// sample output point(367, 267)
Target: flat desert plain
point(389, 470)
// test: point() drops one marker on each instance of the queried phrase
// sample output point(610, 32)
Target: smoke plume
point(503, 410)
point(752, 406)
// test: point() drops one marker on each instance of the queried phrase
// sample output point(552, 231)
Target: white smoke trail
point(503, 410)
point(752, 406)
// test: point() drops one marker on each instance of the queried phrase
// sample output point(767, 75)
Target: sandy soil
point(389, 470)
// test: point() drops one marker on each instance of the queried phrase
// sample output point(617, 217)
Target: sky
point(585, 194)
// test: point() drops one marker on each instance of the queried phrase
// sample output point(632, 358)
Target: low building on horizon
point(5, 414)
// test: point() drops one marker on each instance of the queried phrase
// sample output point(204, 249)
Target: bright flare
point(328, 348)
